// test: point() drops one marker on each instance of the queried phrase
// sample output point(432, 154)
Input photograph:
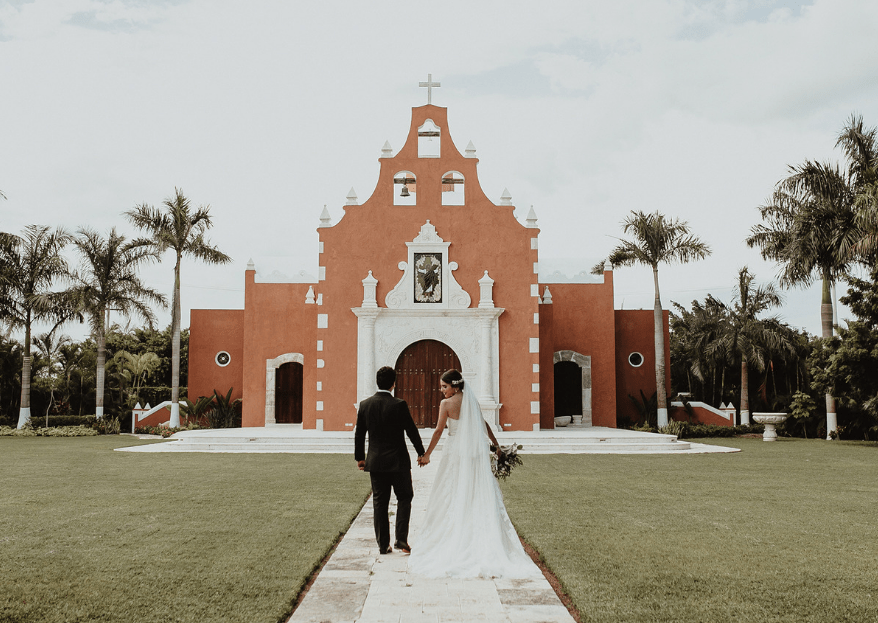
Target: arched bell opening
point(405, 189)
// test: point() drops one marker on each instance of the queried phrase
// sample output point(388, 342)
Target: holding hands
point(423, 460)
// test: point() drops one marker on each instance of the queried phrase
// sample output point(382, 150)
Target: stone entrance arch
point(271, 366)
point(584, 362)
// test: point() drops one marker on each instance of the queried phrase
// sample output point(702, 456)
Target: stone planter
point(769, 420)
point(577, 420)
point(562, 420)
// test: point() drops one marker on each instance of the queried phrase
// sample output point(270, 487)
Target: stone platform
point(292, 438)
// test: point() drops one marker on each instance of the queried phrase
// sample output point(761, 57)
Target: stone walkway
point(358, 585)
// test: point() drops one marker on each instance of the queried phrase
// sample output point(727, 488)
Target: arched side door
point(288, 394)
point(418, 371)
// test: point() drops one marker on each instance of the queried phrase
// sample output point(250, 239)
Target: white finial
point(351, 198)
point(387, 150)
point(369, 284)
point(608, 266)
point(250, 264)
point(137, 407)
point(147, 407)
point(470, 150)
point(531, 218)
point(547, 297)
point(486, 292)
point(325, 219)
point(429, 84)
point(506, 198)
point(309, 298)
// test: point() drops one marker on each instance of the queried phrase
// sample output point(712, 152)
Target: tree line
point(819, 224)
point(38, 285)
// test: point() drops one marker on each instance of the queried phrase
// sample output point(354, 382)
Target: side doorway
point(288, 394)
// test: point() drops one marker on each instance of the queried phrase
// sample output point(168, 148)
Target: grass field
point(782, 532)
point(88, 534)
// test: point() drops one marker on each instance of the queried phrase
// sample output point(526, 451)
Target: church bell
point(405, 191)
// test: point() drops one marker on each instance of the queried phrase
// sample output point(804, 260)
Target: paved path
point(357, 584)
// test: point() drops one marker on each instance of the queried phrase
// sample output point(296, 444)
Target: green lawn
point(88, 534)
point(784, 531)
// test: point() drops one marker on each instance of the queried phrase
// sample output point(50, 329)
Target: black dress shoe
point(388, 550)
point(403, 547)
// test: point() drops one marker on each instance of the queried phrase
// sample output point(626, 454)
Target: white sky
point(586, 110)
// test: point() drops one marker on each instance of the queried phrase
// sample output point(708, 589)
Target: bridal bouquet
point(502, 465)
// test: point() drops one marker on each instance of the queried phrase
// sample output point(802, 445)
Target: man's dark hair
point(385, 377)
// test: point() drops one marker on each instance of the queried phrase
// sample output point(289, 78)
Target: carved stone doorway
point(288, 393)
point(418, 370)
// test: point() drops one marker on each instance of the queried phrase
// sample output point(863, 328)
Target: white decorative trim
point(391, 331)
point(702, 405)
point(534, 243)
point(319, 345)
point(322, 321)
point(319, 386)
point(321, 274)
point(320, 363)
point(536, 368)
point(534, 289)
point(536, 317)
point(271, 366)
point(402, 296)
point(535, 388)
point(535, 407)
point(320, 405)
point(534, 346)
point(584, 362)
point(320, 247)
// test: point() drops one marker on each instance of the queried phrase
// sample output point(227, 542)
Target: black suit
point(387, 419)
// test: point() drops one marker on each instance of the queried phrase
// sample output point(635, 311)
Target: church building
point(425, 275)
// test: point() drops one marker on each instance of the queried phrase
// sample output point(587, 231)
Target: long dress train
point(467, 532)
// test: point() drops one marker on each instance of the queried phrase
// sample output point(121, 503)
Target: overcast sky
point(586, 110)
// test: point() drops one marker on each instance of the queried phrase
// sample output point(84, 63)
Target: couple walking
point(467, 532)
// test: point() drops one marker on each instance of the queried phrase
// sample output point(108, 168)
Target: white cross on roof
point(429, 84)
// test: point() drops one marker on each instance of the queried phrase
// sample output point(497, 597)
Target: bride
point(467, 532)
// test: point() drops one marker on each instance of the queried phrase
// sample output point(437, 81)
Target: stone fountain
point(770, 421)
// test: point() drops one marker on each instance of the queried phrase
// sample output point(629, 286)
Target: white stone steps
point(595, 441)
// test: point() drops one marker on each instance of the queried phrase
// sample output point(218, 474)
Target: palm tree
point(32, 265)
point(107, 280)
point(745, 336)
point(181, 230)
point(860, 146)
point(50, 350)
point(657, 240)
point(811, 230)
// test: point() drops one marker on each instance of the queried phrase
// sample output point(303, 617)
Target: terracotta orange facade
point(428, 257)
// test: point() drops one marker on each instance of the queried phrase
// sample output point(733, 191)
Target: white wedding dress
point(467, 532)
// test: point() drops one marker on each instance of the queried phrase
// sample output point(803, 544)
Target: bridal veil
point(467, 532)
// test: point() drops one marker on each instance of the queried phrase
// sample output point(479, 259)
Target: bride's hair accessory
point(453, 378)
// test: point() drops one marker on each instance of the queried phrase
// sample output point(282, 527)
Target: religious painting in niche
point(428, 277)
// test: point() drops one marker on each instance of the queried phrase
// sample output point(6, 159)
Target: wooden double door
point(418, 371)
point(288, 394)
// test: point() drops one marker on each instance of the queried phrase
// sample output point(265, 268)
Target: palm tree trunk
point(745, 392)
point(24, 408)
point(175, 350)
point(826, 326)
point(660, 384)
point(101, 371)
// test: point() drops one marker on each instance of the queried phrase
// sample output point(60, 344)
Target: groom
point(386, 418)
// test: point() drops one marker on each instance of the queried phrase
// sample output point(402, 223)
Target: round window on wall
point(635, 359)
point(222, 359)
